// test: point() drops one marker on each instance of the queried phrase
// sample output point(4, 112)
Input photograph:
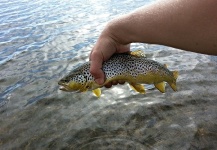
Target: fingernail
point(99, 81)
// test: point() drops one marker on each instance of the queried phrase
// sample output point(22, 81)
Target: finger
point(108, 85)
point(121, 81)
point(96, 67)
point(115, 82)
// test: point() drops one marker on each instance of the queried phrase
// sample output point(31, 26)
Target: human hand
point(105, 47)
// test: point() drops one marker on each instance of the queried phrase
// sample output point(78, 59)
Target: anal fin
point(138, 88)
point(160, 86)
point(173, 85)
point(97, 92)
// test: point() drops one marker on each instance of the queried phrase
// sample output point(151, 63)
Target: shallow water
point(40, 41)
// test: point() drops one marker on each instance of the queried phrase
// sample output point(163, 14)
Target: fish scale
point(133, 68)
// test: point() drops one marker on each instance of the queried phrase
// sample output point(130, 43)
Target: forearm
point(185, 24)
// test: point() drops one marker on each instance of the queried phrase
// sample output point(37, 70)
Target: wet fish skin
point(132, 68)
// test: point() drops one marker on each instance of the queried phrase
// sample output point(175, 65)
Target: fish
point(133, 68)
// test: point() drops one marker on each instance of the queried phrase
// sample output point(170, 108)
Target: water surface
point(40, 41)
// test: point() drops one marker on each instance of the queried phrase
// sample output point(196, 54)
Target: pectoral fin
point(160, 86)
point(165, 65)
point(97, 92)
point(138, 88)
point(83, 90)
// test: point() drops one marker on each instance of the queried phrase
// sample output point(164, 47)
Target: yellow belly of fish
point(135, 82)
point(145, 79)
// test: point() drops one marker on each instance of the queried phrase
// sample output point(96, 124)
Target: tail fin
point(175, 74)
point(173, 84)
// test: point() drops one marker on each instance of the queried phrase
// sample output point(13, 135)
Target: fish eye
point(65, 80)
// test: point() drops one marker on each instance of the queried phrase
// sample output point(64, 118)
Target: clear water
point(40, 41)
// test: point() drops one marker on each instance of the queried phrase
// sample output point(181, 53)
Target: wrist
point(119, 31)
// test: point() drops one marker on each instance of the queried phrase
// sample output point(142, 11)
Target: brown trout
point(132, 67)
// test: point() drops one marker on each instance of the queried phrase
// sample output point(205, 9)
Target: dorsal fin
point(138, 53)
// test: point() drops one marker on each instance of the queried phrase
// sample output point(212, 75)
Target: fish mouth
point(65, 89)
point(63, 86)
